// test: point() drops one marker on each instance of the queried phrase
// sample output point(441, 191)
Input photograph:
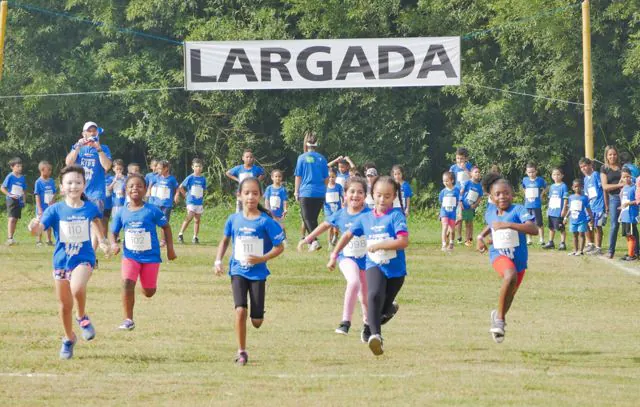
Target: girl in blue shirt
point(579, 213)
point(471, 198)
point(45, 194)
point(73, 257)
point(351, 260)
point(449, 204)
point(404, 202)
point(534, 187)
point(275, 198)
point(165, 188)
point(193, 188)
point(386, 235)
point(629, 214)
point(333, 203)
point(508, 225)
point(141, 254)
point(256, 239)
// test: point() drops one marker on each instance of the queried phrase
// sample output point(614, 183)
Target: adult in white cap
point(312, 176)
point(95, 158)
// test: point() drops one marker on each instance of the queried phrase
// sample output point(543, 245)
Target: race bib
point(275, 202)
point(505, 239)
point(381, 256)
point(576, 206)
point(88, 174)
point(17, 190)
point(162, 192)
point(555, 202)
point(332, 197)
point(247, 246)
point(449, 202)
point(592, 192)
point(137, 240)
point(48, 197)
point(462, 176)
point(472, 196)
point(75, 231)
point(154, 191)
point(119, 188)
point(624, 200)
point(532, 193)
point(244, 175)
point(197, 191)
point(357, 247)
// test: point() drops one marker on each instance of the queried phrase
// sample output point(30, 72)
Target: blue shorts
point(167, 211)
point(578, 227)
point(599, 219)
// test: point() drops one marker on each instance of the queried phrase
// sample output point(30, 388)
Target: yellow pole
point(588, 96)
point(3, 29)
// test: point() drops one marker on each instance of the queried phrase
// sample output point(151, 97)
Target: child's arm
point(38, 205)
point(342, 243)
point(323, 227)
point(482, 246)
point(222, 248)
point(351, 164)
point(151, 184)
point(231, 176)
point(565, 208)
point(590, 215)
point(273, 253)
point(296, 191)
point(401, 242)
point(407, 208)
point(6, 191)
point(35, 227)
point(334, 162)
point(176, 197)
point(168, 237)
point(104, 246)
point(285, 207)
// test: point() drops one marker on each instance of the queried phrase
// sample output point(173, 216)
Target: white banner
point(306, 64)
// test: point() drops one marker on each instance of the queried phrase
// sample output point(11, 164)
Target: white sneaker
point(375, 344)
point(497, 327)
point(314, 246)
point(10, 242)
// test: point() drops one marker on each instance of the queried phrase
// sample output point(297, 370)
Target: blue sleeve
point(37, 187)
point(333, 218)
point(6, 181)
point(175, 184)
point(543, 183)
point(524, 215)
point(260, 171)
point(408, 191)
point(522, 183)
point(116, 222)
point(204, 183)
point(453, 168)
point(399, 222)
point(95, 212)
point(228, 227)
point(283, 194)
point(298, 171)
point(441, 196)
point(325, 169)
point(267, 192)
point(159, 218)
point(49, 217)
point(106, 151)
point(185, 183)
point(274, 231)
point(356, 227)
point(235, 171)
point(458, 193)
point(565, 191)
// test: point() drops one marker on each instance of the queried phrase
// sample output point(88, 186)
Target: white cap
point(87, 125)
point(371, 172)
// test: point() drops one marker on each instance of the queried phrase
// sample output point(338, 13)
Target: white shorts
point(197, 209)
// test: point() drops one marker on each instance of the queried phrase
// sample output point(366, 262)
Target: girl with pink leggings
point(141, 257)
point(352, 258)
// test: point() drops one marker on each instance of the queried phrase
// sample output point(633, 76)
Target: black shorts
point(537, 214)
point(555, 223)
point(629, 229)
point(256, 290)
point(106, 214)
point(14, 210)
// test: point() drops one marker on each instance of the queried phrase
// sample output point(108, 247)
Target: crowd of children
point(366, 220)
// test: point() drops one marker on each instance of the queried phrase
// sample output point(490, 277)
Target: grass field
point(572, 336)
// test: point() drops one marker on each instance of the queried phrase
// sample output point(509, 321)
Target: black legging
point(381, 293)
point(310, 210)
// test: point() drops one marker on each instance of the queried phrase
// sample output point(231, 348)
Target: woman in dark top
point(610, 174)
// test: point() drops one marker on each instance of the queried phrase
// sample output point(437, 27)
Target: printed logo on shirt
point(310, 159)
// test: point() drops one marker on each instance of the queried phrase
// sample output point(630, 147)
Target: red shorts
point(148, 272)
point(448, 221)
point(503, 263)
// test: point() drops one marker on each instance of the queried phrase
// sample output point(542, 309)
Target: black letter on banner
point(427, 64)
point(196, 69)
point(246, 68)
point(267, 64)
point(363, 64)
point(325, 66)
point(383, 58)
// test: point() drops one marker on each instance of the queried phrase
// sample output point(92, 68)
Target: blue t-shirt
point(461, 175)
point(312, 169)
point(251, 237)
point(508, 242)
point(593, 190)
point(150, 178)
point(16, 186)
point(240, 172)
point(449, 200)
point(333, 199)
point(533, 191)
point(557, 194)
point(276, 198)
point(195, 186)
point(46, 190)
point(375, 229)
point(341, 178)
point(140, 237)
point(72, 231)
point(630, 213)
point(164, 189)
point(357, 247)
point(94, 173)
point(472, 193)
point(118, 192)
point(406, 192)
point(578, 205)
point(108, 195)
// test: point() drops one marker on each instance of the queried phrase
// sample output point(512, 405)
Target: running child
point(276, 200)
point(165, 186)
point(386, 235)
point(595, 193)
point(533, 190)
point(397, 171)
point(73, 258)
point(471, 197)
point(132, 168)
point(461, 171)
point(629, 214)
point(193, 187)
point(579, 215)
point(351, 260)
point(508, 224)
point(256, 239)
point(14, 187)
point(333, 203)
point(449, 202)
point(557, 209)
point(141, 252)
point(344, 166)
point(45, 194)
point(246, 170)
